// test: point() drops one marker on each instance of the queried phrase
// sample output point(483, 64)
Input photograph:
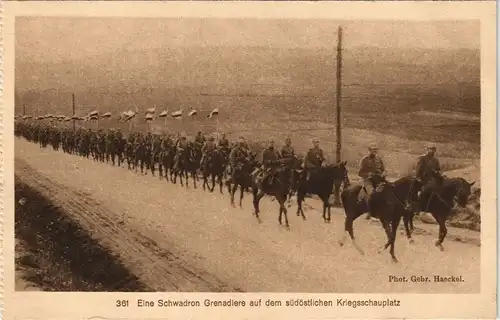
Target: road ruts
point(159, 268)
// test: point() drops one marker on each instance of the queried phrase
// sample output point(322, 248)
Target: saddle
point(265, 177)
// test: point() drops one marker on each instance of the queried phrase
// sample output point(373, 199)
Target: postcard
point(228, 160)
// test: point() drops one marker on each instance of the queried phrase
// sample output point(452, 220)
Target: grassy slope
point(398, 98)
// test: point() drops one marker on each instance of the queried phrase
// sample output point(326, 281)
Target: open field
point(399, 97)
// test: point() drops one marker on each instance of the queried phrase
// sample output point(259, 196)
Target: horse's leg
point(180, 173)
point(406, 221)
point(441, 220)
point(205, 181)
point(232, 191)
point(152, 165)
point(160, 168)
point(220, 183)
point(411, 216)
point(350, 216)
point(387, 229)
point(325, 219)
point(257, 195)
point(337, 193)
point(242, 190)
point(195, 178)
point(300, 200)
point(283, 210)
point(213, 174)
point(394, 231)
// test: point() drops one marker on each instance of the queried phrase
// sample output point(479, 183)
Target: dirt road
point(178, 239)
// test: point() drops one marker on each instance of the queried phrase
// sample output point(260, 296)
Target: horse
point(140, 156)
point(120, 149)
point(279, 189)
point(240, 176)
point(166, 162)
point(388, 202)
point(321, 183)
point(439, 200)
point(214, 167)
point(186, 164)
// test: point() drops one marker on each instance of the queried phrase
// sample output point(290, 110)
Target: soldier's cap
point(372, 146)
point(211, 138)
point(315, 140)
point(241, 138)
point(431, 146)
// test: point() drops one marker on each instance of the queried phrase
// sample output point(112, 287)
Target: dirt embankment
point(78, 245)
point(53, 253)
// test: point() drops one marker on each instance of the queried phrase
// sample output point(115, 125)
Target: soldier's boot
point(363, 196)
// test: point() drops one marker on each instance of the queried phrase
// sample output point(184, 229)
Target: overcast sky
point(51, 38)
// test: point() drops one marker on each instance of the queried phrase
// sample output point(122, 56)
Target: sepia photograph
point(228, 155)
point(244, 155)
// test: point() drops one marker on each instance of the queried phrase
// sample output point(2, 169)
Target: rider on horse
point(207, 150)
point(428, 169)
point(372, 171)
point(156, 145)
point(199, 140)
point(287, 152)
point(269, 161)
point(181, 147)
point(288, 155)
point(314, 159)
point(223, 142)
point(238, 154)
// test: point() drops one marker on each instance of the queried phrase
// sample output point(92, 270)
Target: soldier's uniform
point(156, 147)
point(223, 143)
point(206, 150)
point(428, 171)
point(269, 160)
point(238, 155)
point(199, 140)
point(182, 144)
point(287, 154)
point(313, 161)
point(371, 166)
point(427, 167)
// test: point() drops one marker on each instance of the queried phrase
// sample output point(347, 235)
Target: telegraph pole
point(74, 121)
point(24, 109)
point(339, 88)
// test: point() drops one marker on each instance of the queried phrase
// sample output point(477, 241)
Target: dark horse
point(279, 189)
point(240, 176)
point(186, 164)
point(214, 167)
point(321, 183)
point(388, 202)
point(166, 162)
point(439, 200)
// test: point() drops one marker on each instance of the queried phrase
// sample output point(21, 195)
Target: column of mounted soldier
point(280, 173)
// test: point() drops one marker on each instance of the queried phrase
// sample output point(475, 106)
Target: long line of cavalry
point(277, 173)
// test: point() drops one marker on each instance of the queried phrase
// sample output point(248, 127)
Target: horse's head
point(338, 172)
point(462, 190)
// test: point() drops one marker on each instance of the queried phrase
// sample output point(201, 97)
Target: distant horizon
point(48, 38)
